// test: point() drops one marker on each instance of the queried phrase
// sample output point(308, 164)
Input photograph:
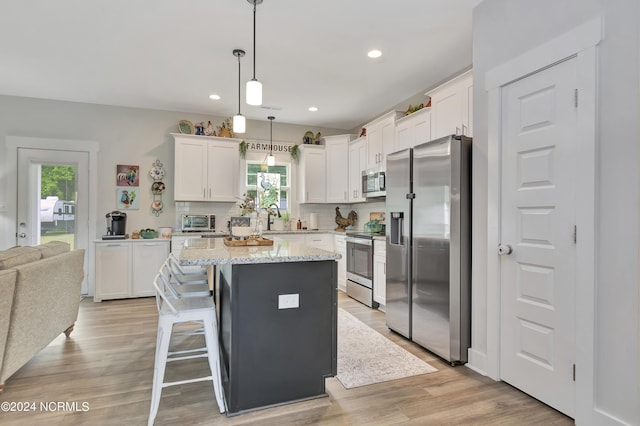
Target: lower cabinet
point(341, 247)
point(127, 268)
point(321, 241)
point(379, 272)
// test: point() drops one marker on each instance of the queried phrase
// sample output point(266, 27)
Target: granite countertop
point(213, 251)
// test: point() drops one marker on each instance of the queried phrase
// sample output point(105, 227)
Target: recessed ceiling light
point(313, 109)
point(374, 53)
point(215, 97)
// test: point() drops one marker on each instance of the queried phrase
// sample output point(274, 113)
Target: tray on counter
point(260, 241)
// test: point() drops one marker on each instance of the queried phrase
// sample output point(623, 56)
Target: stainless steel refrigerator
point(428, 208)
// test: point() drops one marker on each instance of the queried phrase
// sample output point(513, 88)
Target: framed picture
point(128, 198)
point(127, 175)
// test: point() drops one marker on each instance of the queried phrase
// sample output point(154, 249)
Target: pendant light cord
point(238, 84)
point(254, 39)
point(271, 135)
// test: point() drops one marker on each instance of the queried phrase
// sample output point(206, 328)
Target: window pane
point(283, 200)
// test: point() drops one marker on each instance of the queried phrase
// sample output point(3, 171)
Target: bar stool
point(172, 311)
point(177, 286)
point(197, 275)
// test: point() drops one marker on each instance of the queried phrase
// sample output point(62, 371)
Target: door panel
point(537, 220)
point(68, 221)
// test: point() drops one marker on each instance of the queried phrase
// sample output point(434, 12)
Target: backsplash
point(326, 213)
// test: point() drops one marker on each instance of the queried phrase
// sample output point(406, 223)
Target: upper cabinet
point(337, 170)
point(381, 139)
point(357, 163)
point(312, 185)
point(206, 168)
point(452, 107)
point(413, 129)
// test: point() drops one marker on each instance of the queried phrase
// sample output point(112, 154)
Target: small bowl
point(148, 234)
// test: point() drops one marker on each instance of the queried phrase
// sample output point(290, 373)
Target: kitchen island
point(278, 319)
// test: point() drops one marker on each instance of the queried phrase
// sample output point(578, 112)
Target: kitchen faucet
point(269, 214)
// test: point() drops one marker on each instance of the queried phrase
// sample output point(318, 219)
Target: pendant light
point(239, 122)
point(271, 160)
point(254, 87)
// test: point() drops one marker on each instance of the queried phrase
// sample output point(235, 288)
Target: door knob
point(22, 235)
point(504, 249)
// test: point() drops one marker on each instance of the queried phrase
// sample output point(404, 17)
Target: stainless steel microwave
point(373, 183)
point(198, 222)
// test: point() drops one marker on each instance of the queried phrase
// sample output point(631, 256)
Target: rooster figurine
point(344, 222)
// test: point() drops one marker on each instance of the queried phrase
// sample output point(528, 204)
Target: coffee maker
point(116, 226)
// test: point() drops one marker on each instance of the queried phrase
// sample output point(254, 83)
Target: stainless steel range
point(360, 268)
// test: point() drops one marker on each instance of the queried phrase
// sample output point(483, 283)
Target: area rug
point(366, 356)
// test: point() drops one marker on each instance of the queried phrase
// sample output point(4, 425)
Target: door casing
point(580, 42)
point(91, 147)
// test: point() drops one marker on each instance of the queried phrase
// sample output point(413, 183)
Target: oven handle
point(361, 241)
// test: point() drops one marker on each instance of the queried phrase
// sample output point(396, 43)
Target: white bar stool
point(186, 276)
point(173, 311)
point(177, 286)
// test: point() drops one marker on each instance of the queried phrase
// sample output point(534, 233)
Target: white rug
point(366, 356)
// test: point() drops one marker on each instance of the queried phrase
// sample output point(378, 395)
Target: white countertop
point(213, 251)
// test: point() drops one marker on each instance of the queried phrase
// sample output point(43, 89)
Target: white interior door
point(66, 220)
point(538, 216)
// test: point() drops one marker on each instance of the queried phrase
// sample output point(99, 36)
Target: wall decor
point(127, 175)
point(157, 187)
point(127, 198)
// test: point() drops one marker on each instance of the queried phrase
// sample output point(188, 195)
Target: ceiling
point(171, 54)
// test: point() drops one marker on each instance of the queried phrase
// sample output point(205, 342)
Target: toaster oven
point(198, 222)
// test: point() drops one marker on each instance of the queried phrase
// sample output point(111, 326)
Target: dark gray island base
point(278, 320)
point(271, 355)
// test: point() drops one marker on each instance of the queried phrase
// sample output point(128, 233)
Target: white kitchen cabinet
point(341, 247)
point(452, 107)
point(413, 129)
point(379, 272)
point(357, 163)
point(206, 168)
point(381, 137)
point(337, 167)
point(312, 185)
point(126, 268)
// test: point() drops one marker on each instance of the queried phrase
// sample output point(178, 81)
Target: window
point(268, 184)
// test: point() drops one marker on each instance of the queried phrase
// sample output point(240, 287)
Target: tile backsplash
point(326, 212)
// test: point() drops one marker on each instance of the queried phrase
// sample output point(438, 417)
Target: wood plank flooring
point(106, 369)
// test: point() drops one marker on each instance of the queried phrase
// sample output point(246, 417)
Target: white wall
point(125, 136)
point(503, 29)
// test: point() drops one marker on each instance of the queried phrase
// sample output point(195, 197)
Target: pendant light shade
point(271, 160)
point(254, 87)
point(254, 92)
point(239, 122)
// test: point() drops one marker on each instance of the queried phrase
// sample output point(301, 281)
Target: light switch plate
point(3, 207)
point(288, 301)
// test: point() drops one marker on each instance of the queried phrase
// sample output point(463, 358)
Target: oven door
point(360, 261)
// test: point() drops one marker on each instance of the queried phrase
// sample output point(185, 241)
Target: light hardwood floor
point(107, 365)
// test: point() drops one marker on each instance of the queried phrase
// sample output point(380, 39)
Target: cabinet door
point(113, 267)
point(146, 260)
point(404, 134)
point(379, 279)
point(341, 247)
point(190, 170)
point(357, 163)
point(337, 170)
point(447, 113)
point(388, 141)
point(379, 271)
point(422, 128)
point(374, 146)
point(467, 106)
point(223, 168)
point(312, 179)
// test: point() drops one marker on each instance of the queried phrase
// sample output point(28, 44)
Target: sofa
point(39, 299)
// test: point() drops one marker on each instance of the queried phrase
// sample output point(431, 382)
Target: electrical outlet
point(3, 207)
point(288, 301)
